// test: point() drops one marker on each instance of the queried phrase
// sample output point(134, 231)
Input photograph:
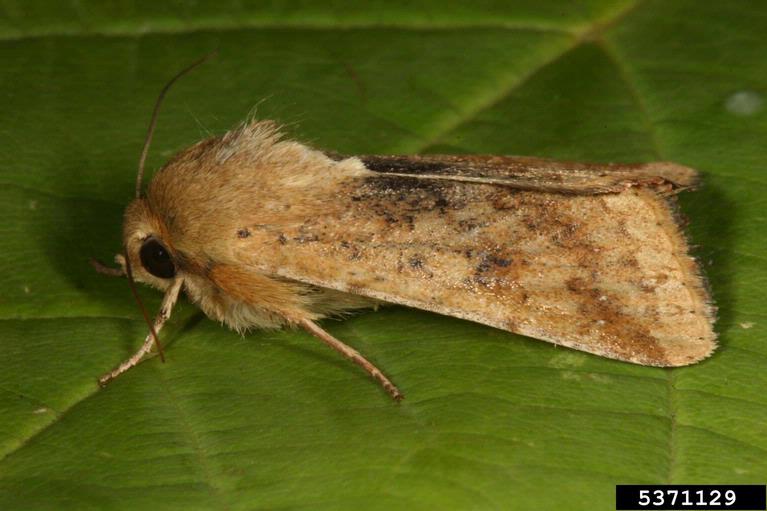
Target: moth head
point(148, 254)
point(148, 250)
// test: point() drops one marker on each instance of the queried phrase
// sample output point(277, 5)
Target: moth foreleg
point(131, 362)
point(171, 295)
point(353, 355)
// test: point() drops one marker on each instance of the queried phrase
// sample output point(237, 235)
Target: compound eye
point(156, 259)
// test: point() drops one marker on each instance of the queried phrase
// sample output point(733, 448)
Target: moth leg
point(353, 355)
point(131, 362)
point(171, 295)
point(106, 270)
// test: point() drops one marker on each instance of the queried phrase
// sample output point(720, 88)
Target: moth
point(264, 232)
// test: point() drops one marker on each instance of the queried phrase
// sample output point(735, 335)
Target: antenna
point(132, 283)
point(153, 121)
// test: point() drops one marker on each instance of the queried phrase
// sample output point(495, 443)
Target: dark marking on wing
point(401, 201)
point(416, 262)
point(624, 333)
point(406, 165)
point(527, 173)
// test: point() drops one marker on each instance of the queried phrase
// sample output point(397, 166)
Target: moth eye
point(156, 259)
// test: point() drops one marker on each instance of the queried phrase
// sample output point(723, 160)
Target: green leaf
point(275, 419)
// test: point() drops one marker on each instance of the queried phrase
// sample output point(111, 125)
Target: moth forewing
point(606, 272)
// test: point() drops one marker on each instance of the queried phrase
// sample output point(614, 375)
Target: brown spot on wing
point(620, 331)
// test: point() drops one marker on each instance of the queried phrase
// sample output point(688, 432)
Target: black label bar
point(681, 496)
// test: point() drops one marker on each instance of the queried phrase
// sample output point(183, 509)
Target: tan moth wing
point(606, 273)
point(585, 256)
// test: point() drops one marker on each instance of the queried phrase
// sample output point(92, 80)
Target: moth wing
point(538, 174)
point(606, 273)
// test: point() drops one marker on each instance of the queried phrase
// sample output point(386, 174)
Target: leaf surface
point(274, 419)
